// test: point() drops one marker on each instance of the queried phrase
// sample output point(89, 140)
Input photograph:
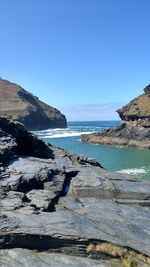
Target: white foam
point(52, 130)
point(133, 171)
point(90, 126)
point(62, 134)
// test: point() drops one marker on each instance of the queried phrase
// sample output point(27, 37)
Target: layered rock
point(20, 105)
point(135, 126)
point(60, 209)
point(126, 134)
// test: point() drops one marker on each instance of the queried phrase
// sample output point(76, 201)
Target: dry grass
point(90, 248)
point(112, 250)
point(126, 257)
point(143, 105)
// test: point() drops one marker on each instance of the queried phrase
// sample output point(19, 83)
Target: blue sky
point(85, 57)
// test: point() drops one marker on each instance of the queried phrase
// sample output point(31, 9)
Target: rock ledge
point(60, 209)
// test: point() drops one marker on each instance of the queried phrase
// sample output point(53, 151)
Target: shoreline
point(127, 134)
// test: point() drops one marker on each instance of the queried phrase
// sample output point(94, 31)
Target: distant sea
point(132, 161)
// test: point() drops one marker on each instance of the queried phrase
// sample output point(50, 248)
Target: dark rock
point(53, 209)
point(20, 105)
point(7, 146)
point(147, 89)
point(126, 134)
point(16, 139)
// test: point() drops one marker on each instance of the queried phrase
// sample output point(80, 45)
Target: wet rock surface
point(134, 130)
point(54, 205)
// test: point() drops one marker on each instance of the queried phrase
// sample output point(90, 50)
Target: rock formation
point(147, 90)
point(135, 126)
point(138, 110)
point(20, 105)
point(60, 209)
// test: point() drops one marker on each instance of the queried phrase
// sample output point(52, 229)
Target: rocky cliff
point(60, 209)
point(138, 110)
point(135, 126)
point(20, 105)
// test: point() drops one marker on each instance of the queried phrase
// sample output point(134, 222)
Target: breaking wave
point(62, 134)
point(67, 132)
point(134, 171)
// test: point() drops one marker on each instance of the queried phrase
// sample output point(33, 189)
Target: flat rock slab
point(53, 208)
point(89, 208)
point(27, 258)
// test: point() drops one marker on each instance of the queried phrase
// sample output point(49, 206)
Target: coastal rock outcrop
point(138, 110)
point(20, 105)
point(135, 126)
point(60, 209)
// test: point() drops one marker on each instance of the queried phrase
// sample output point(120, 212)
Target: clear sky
point(85, 57)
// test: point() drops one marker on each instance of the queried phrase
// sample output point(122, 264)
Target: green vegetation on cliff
point(20, 105)
point(138, 108)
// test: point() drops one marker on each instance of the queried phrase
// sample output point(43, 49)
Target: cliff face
point(134, 129)
point(20, 105)
point(138, 110)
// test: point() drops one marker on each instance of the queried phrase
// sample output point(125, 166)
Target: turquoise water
point(123, 159)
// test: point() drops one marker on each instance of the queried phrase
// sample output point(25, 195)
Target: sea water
point(128, 160)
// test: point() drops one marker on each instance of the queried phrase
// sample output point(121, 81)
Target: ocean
point(127, 160)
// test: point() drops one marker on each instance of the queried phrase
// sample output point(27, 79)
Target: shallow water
point(123, 159)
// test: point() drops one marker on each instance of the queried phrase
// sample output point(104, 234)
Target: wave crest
point(61, 134)
point(134, 171)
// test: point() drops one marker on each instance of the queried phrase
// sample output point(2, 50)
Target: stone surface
point(135, 127)
point(127, 134)
point(27, 258)
point(54, 206)
point(20, 105)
